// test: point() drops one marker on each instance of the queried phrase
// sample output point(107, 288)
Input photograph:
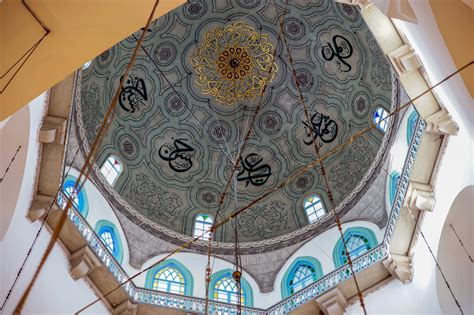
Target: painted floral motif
point(263, 220)
point(160, 204)
point(352, 166)
point(380, 72)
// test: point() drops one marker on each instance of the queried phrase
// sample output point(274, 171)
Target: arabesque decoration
point(234, 63)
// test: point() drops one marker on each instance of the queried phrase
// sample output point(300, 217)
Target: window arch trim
point(379, 118)
point(310, 207)
point(83, 203)
point(394, 179)
point(411, 124)
point(227, 273)
point(173, 263)
point(107, 226)
point(195, 220)
point(337, 255)
point(119, 171)
point(289, 273)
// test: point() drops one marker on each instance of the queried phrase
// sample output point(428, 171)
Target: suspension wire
point(84, 174)
point(239, 158)
point(385, 169)
point(46, 217)
point(321, 165)
point(179, 95)
point(435, 260)
point(40, 229)
point(9, 164)
point(26, 56)
point(288, 179)
point(462, 244)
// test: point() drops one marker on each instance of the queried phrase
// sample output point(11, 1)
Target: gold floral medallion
point(234, 63)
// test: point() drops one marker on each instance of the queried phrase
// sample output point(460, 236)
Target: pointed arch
point(301, 273)
point(223, 288)
point(79, 198)
point(359, 240)
point(109, 235)
point(170, 276)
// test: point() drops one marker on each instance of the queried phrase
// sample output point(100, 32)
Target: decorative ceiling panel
point(193, 93)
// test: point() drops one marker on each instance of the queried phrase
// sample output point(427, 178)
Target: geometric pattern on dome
point(178, 143)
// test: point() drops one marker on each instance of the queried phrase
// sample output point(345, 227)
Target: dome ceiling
point(192, 96)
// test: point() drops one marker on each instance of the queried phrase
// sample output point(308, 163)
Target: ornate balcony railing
point(194, 304)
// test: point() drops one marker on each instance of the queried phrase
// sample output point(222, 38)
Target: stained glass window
point(111, 169)
point(106, 236)
point(359, 240)
point(226, 290)
point(202, 225)
point(302, 277)
point(314, 208)
point(169, 279)
point(380, 119)
point(78, 197)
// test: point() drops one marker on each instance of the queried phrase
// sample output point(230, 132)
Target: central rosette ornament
point(234, 63)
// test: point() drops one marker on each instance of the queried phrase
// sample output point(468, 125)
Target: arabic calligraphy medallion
point(252, 172)
point(178, 155)
point(234, 63)
point(133, 94)
point(322, 127)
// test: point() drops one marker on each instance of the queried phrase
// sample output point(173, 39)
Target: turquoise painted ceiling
point(178, 139)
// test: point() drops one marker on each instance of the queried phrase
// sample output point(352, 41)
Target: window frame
point(312, 207)
point(204, 224)
point(112, 167)
point(380, 120)
point(173, 263)
point(227, 273)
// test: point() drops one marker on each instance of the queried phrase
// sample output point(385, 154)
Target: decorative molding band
point(83, 261)
point(126, 308)
point(441, 123)
point(39, 206)
point(399, 266)
point(53, 130)
point(404, 59)
point(332, 302)
point(420, 197)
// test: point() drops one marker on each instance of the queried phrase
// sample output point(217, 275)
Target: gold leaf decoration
point(234, 63)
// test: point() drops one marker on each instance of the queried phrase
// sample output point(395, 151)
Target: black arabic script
point(340, 48)
point(322, 127)
point(178, 154)
point(133, 94)
point(252, 172)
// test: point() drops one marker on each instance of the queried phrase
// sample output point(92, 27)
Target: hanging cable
point(287, 180)
point(321, 165)
point(26, 56)
point(84, 173)
point(462, 244)
point(9, 164)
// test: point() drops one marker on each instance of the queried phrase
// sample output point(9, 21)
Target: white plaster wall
point(399, 148)
point(456, 172)
point(100, 209)
point(55, 292)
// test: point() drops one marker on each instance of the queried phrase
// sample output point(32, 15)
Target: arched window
point(109, 235)
point(223, 288)
point(313, 207)
point(302, 272)
point(411, 124)
point(111, 169)
point(202, 225)
point(380, 118)
point(170, 276)
point(359, 240)
point(393, 185)
point(79, 198)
